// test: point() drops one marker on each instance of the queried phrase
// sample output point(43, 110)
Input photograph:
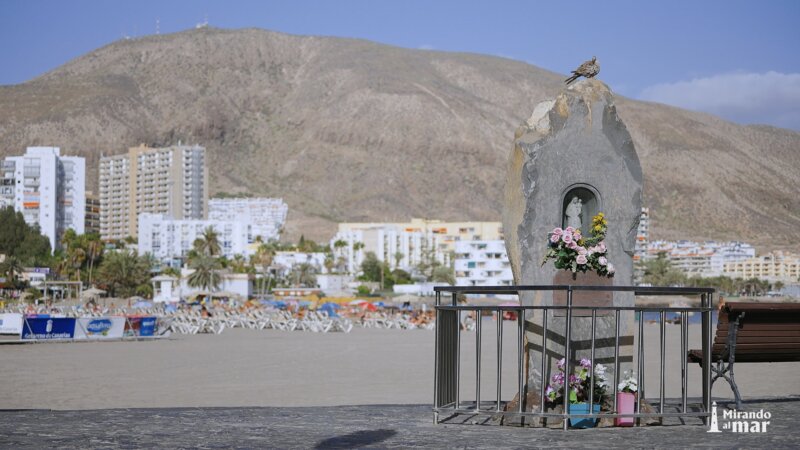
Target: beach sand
point(273, 368)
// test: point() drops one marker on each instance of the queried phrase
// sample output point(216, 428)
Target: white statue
point(574, 212)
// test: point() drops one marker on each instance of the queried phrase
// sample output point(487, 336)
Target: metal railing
point(447, 369)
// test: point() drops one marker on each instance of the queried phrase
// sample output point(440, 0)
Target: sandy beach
point(272, 368)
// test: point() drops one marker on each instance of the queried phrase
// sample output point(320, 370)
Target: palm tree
point(122, 272)
point(398, 256)
point(238, 264)
point(339, 245)
point(305, 275)
point(205, 275)
point(76, 258)
point(11, 268)
point(264, 257)
point(94, 251)
point(208, 243)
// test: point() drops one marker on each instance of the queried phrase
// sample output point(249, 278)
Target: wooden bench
point(752, 332)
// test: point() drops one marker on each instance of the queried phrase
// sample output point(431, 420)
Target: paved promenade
point(373, 426)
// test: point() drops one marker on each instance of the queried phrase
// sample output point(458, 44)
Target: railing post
point(567, 356)
point(436, 362)
point(706, 301)
point(458, 353)
point(478, 360)
point(499, 357)
point(520, 358)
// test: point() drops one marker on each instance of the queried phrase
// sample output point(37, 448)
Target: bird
point(588, 69)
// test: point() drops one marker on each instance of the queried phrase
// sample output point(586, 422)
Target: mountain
point(350, 130)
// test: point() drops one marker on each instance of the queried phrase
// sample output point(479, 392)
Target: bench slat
point(763, 326)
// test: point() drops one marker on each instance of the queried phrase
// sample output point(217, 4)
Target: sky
point(735, 59)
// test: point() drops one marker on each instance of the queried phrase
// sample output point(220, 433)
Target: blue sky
point(736, 59)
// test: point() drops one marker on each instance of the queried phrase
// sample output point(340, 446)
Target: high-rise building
point(92, 213)
point(264, 216)
point(406, 245)
point(482, 263)
point(166, 238)
point(49, 190)
point(172, 181)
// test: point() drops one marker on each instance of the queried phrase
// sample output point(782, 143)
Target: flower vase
point(583, 422)
point(626, 402)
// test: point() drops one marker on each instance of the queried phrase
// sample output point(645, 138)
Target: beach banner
point(11, 323)
point(48, 328)
point(99, 328)
point(140, 326)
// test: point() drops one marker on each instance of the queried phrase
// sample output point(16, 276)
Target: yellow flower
point(597, 228)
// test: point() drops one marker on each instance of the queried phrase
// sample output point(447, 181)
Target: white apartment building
point(705, 259)
point(482, 263)
point(772, 267)
point(172, 181)
point(49, 190)
point(264, 216)
point(166, 238)
point(406, 245)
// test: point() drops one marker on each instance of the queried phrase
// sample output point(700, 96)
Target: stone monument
point(572, 159)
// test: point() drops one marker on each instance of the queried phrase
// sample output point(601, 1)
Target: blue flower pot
point(583, 422)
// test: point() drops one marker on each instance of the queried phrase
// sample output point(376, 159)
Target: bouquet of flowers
point(572, 251)
point(579, 383)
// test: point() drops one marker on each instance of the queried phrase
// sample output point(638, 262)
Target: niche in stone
point(578, 206)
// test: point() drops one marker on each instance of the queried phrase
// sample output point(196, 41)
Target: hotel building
point(482, 263)
point(265, 217)
point(172, 181)
point(166, 238)
point(47, 188)
point(406, 245)
point(775, 266)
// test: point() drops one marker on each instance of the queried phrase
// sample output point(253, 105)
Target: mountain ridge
point(350, 130)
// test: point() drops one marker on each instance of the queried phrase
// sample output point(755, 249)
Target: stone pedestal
point(571, 159)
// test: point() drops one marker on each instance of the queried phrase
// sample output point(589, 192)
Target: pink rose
point(577, 235)
point(581, 259)
point(567, 236)
point(569, 230)
point(602, 260)
point(601, 247)
point(582, 250)
point(558, 231)
point(554, 238)
point(573, 245)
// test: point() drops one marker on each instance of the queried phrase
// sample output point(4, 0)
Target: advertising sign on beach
point(11, 323)
point(100, 328)
point(48, 328)
point(140, 326)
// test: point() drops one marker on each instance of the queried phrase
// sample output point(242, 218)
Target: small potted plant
point(573, 251)
point(626, 399)
point(580, 384)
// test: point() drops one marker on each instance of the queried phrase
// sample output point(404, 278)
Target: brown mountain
point(349, 130)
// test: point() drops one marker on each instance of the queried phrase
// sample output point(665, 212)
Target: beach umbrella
point(369, 306)
point(142, 305)
point(303, 303)
point(92, 292)
point(379, 304)
point(329, 308)
point(357, 302)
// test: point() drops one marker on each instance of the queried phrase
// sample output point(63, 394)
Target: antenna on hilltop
point(204, 23)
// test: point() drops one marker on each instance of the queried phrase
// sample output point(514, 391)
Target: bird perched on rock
point(588, 69)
